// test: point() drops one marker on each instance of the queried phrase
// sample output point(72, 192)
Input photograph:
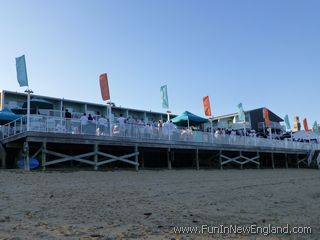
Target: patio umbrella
point(187, 118)
point(38, 103)
point(7, 116)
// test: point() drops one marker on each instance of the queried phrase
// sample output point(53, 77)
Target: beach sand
point(148, 204)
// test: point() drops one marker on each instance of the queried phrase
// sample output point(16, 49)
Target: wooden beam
point(136, 157)
point(169, 159)
point(113, 158)
point(272, 160)
point(142, 160)
point(27, 157)
point(96, 150)
point(43, 155)
point(197, 159)
point(3, 156)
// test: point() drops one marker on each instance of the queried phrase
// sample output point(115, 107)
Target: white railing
point(168, 132)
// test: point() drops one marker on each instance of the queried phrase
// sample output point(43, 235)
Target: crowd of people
point(135, 127)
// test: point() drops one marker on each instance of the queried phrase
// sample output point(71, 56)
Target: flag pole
point(109, 114)
point(168, 115)
point(211, 121)
point(29, 92)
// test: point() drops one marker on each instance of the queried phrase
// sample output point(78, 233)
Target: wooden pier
point(105, 152)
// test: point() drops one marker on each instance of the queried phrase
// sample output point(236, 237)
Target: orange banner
point(266, 117)
point(104, 87)
point(305, 125)
point(206, 105)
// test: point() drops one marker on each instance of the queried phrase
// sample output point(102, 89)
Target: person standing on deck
point(121, 121)
point(83, 122)
point(67, 116)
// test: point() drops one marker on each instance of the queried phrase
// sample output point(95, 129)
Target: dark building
point(254, 120)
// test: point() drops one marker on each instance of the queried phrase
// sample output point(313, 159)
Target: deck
point(97, 145)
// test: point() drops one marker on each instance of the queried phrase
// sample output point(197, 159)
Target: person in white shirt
point(84, 122)
point(103, 125)
point(121, 121)
point(84, 119)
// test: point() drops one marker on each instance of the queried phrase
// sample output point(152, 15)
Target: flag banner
point(266, 117)
point(22, 71)
point(104, 87)
point(242, 116)
point(206, 106)
point(305, 125)
point(287, 122)
point(164, 97)
point(315, 127)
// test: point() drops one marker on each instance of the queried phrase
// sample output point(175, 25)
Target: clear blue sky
point(260, 53)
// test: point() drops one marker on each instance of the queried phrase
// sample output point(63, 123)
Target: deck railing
point(49, 124)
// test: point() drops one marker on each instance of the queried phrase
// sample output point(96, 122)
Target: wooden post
point(168, 158)
point(96, 149)
point(3, 156)
point(27, 157)
point(272, 160)
point(136, 158)
point(44, 156)
point(286, 160)
point(220, 159)
point(172, 155)
point(197, 159)
point(142, 160)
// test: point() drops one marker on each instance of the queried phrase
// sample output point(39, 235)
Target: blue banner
point(242, 116)
point(21, 71)
point(287, 122)
point(164, 97)
point(315, 127)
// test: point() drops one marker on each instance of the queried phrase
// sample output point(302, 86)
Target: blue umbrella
point(7, 116)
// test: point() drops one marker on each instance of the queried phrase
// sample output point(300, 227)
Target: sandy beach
point(149, 204)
